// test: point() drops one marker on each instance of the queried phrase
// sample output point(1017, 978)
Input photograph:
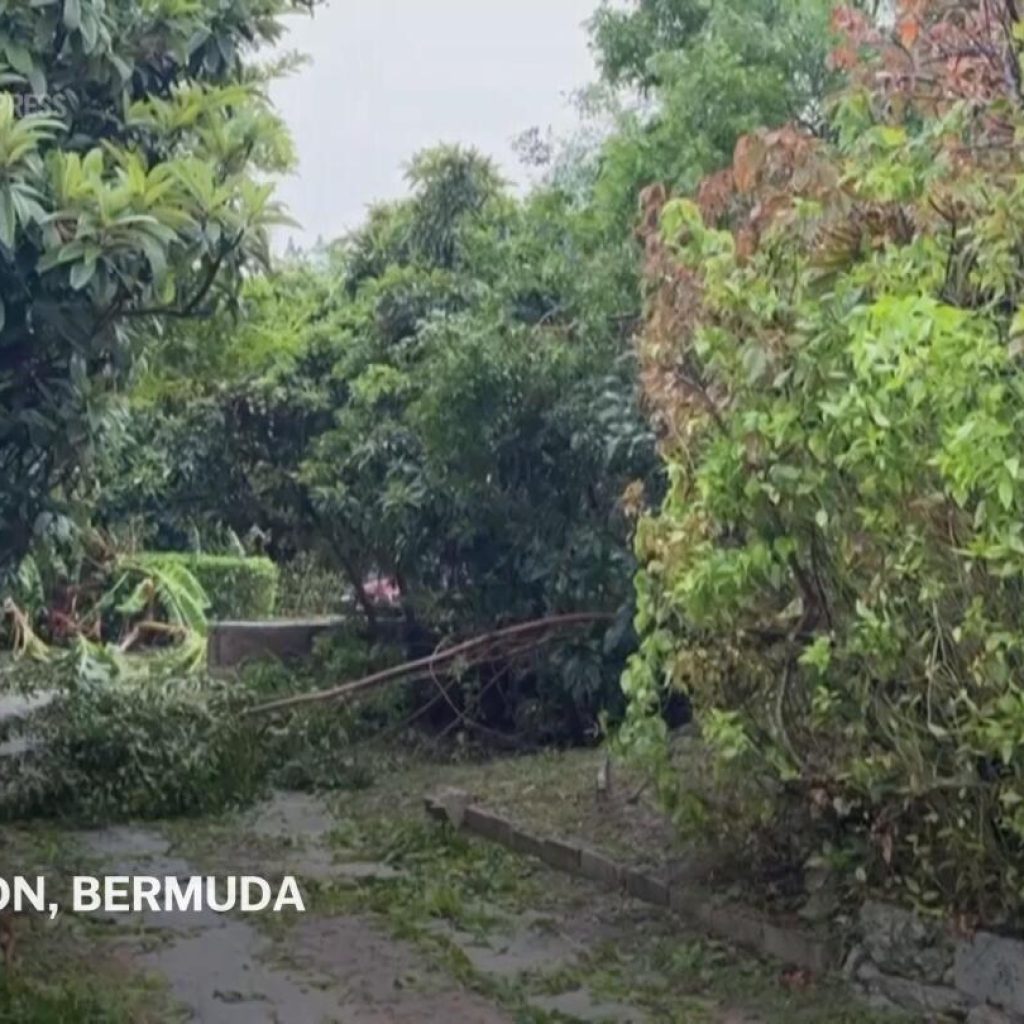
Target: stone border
point(733, 924)
point(979, 978)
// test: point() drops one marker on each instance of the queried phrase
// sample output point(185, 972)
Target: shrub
point(311, 587)
point(237, 588)
point(834, 358)
point(112, 750)
point(128, 740)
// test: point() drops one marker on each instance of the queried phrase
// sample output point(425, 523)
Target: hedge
point(238, 588)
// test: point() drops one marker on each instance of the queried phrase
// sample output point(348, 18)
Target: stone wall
point(918, 963)
point(233, 644)
point(813, 951)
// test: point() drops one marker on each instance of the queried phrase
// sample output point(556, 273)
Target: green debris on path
point(405, 922)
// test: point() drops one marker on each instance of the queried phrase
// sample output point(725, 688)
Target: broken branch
point(538, 630)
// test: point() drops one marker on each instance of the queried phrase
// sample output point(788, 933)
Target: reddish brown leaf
point(747, 162)
point(908, 31)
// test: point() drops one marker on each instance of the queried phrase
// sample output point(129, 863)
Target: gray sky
point(389, 77)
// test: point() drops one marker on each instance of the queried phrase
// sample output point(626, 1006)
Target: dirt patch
point(580, 1005)
point(379, 978)
point(227, 970)
point(557, 793)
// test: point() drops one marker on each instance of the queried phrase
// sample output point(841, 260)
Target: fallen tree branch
point(462, 719)
point(429, 665)
point(442, 694)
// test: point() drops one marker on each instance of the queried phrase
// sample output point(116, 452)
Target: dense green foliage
point(449, 399)
point(137, 737)
point(442, 399)
point(833, 355)
point(111, 750)
point(134, 144)
point(446, 397)
point(708, 73)
point(236, 588)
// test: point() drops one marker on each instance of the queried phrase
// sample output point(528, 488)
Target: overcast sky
point(389, 77)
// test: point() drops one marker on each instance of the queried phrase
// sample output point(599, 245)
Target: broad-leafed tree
point(135, 142)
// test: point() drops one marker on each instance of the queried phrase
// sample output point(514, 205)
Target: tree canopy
point(134, 143)
point(446, 398)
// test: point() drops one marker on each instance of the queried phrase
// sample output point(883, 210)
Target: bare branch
point(481, 645)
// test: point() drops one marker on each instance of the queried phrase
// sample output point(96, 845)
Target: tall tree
point(707, 73)
point(135, 138)
point(446, 399)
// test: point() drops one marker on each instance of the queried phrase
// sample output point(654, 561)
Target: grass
point(64, 972)
point(55, 994)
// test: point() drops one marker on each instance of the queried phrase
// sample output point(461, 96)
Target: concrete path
point(406, 926)
point(225, 969)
